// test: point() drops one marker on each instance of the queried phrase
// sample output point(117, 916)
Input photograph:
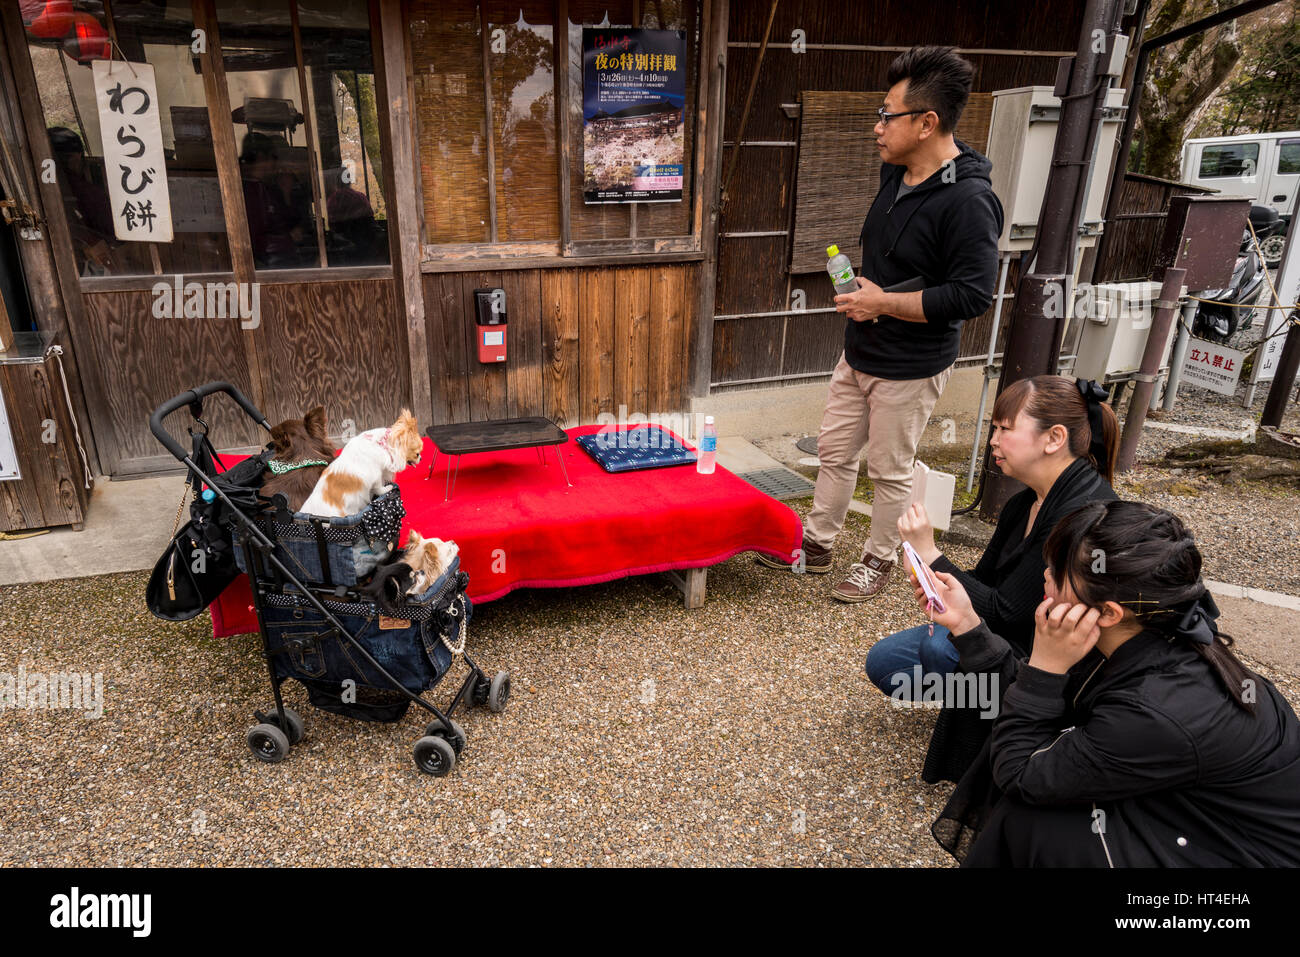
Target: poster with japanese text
point(134, 164)
point(633, 104)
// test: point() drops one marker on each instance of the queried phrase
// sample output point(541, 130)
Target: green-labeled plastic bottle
point(841, 270)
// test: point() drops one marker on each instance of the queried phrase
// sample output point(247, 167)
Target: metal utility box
point(1022, 135)
point(490, 323)
point(1203, 236)
point(1115, 329)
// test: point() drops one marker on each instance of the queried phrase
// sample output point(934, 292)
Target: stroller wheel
point(456, 736)
point(499, 692)
point(295, 729)
point(268, 743)
point(434, 755)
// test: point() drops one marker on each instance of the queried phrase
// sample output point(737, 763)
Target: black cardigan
point(1007, 584)
point(1181, 775)
point(1005, 588)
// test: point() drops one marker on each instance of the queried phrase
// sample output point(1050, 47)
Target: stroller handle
point(194, 395)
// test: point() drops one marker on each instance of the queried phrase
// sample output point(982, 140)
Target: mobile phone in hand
point(925, 578)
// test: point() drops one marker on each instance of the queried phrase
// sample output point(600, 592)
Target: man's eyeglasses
point(885, 116)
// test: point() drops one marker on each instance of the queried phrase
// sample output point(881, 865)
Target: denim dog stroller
point(317, 626)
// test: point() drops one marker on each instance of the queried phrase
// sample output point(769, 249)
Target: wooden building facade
point(428, 148)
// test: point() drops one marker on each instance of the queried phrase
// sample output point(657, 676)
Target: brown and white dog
point(428, 558)
point(302, 451)
point(365, 468)
point(421, 564)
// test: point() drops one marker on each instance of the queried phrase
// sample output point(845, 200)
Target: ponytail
point(1107, 444)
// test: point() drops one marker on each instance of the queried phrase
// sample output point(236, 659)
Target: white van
point(1263, 166)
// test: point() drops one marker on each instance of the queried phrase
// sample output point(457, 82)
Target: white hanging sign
point(134, 164)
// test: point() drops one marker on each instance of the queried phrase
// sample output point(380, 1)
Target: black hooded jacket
point(1007, 584)
point(1141, 759)
point(945, 231)
point(1005, 588)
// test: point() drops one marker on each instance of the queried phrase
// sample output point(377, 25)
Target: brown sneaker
point(866, 580)
point(816, 560)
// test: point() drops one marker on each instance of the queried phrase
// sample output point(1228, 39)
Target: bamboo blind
point(447, 60)
point(523, 110)
point(839, 169)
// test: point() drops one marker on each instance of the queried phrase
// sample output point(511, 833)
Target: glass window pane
point(522, 56)
point(613, 220)
point(63, 76)
point(607, 220)
point(1288, 157)
point(674, 219)
point(1230, 159)
point(339, 63)
point(267, 113)
point(451, 113)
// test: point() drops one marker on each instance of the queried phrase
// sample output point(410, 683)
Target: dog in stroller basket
point(421, 564)
point(302, 451)
point(366, 468)
point(355, 655)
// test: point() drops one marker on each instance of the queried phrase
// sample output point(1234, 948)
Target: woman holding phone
point(1131, 735)
point(1058, 437)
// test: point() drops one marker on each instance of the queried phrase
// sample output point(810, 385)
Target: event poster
point(634, 95)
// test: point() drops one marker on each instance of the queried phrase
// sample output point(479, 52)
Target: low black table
point(494, 435)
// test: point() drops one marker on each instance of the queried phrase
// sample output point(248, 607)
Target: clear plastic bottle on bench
point(706, 459)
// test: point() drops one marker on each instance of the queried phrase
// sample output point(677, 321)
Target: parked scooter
point(1234, 306)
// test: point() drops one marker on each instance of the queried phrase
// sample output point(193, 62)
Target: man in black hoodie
point(928, 264)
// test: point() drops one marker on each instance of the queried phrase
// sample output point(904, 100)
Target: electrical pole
point(1035, 334)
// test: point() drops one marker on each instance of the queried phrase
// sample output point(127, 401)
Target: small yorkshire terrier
point(366, 468)
point(302, 451)
point(421, 564)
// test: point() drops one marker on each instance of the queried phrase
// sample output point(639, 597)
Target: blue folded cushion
point(641, 447)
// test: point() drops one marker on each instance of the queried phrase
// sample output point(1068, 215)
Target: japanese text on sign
point(134, 164)
point(1212, 367)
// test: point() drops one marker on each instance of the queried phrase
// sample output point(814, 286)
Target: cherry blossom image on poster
point(633, 104)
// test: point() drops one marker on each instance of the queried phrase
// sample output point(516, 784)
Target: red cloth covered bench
point(519, 525)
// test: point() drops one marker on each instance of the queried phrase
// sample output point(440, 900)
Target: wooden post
point(490, 124)
point(52, 276)
point(231, 183)
point(314, 169)
point(403, 194)
point(692, 583)
point(699, 369)
point(561, 45)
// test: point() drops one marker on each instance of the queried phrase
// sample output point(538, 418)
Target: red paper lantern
point(89, 40)
point(47, 19)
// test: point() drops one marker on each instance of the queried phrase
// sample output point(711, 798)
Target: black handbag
point(188, 577)
point(198, 563)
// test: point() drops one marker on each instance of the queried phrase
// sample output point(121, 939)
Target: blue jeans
point(901, 652)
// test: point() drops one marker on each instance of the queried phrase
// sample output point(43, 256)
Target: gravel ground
point(637, 733)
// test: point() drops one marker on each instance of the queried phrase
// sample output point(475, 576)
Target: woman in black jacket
point(1059, 438)
point(1131, 735)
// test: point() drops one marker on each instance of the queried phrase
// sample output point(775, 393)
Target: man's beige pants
point(888, 417)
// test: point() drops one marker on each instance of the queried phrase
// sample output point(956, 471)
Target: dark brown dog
point(298, 440)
